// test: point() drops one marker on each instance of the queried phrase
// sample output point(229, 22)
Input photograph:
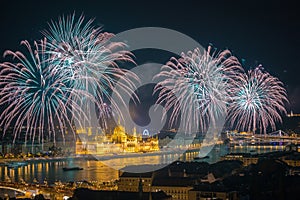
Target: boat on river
point(200, 158)
point(72, 168)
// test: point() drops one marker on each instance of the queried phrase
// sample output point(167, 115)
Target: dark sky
point(262, 32)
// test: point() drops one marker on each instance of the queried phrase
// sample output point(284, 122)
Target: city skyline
point(180, 100)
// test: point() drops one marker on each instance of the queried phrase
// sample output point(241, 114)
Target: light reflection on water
point(53, 171)
point(94, 170)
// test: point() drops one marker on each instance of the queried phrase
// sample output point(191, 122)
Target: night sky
point(261, 32)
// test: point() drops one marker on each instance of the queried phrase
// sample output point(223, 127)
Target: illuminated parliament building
point(119, 141)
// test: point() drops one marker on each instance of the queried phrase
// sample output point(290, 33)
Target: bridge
point(272, 138)
point(278, 133)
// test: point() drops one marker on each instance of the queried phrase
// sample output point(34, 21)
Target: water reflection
point(52, 171)
point(94, 170)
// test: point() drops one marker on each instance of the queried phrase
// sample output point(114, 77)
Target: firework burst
point(63, 77)
point(89, 57)
point(36, 99)
point(258, 100)
point(196, 86)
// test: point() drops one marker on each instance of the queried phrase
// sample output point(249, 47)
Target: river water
point(95, 170)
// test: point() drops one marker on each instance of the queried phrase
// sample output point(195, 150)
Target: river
point(95, 170)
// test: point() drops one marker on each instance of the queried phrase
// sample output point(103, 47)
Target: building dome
point(119, 129)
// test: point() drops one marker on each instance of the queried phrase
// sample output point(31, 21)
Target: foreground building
point(212, 191)
point(130, 182)
point(83, 194)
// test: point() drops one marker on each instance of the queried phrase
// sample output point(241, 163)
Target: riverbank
point(4, 161)
point(106, 156)
point(30, 190)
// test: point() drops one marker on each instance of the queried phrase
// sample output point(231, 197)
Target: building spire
point(140, 188)
point(134, 131)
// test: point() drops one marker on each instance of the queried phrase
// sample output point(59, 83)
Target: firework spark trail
point(104, 114)
point(258, 100)
point(34, 95)
point(61, 78)
point(202, 80)
point(88, 56)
